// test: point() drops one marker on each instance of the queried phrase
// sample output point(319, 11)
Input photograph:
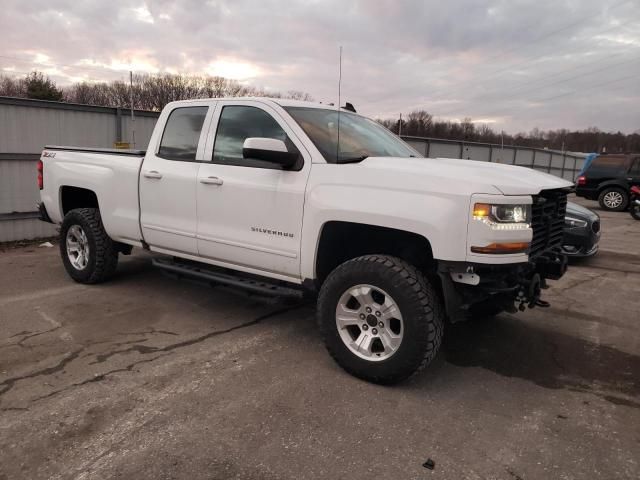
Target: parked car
point(608, 179)
point(259, 194)
point(634, 206)
point(581, 231)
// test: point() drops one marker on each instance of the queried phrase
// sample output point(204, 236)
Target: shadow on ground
point(511, 347)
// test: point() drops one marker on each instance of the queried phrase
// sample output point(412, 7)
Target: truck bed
point(108, 151)
point(111, 174)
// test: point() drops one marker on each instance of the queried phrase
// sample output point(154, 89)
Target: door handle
point(152, 174)
point(211, 181)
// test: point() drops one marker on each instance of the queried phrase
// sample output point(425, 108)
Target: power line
point(525, 60)
point(635, 76)
point(555, 32)
point(590, 87)
point(520, 92)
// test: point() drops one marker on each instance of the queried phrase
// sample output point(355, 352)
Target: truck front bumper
point(513, 286)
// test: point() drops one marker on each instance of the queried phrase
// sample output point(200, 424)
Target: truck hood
point(507, 179)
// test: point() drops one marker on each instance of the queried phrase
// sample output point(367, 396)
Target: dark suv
point(608, 179)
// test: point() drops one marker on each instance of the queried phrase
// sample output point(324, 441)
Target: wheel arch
point(71, 197)
point(339, 241)
point(612, 184)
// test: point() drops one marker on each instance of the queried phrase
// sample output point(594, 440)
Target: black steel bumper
point(513, 286)
point(42, 211)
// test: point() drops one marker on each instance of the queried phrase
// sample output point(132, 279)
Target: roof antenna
point(339, 108)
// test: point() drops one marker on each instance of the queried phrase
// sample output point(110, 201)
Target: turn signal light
point(481, 210)
point(40, 175)
point(502, 248)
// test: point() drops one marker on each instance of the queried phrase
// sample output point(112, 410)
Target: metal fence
point(566, 165)
point(26, 126)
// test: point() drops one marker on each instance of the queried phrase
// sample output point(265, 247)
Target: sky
point(513, 64)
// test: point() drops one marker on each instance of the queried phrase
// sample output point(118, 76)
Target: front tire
point(380, 318)
point(613, 199)
point(88, 253)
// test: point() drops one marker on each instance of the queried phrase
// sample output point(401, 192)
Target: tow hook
point(529, 294)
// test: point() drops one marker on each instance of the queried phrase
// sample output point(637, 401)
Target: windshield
point(359, 137)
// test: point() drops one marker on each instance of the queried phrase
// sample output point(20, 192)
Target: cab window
point(236, 124)
point(182, 133)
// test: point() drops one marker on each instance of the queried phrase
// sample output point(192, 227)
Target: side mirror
point(269, 150)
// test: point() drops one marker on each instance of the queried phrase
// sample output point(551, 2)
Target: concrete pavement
point(150, 377)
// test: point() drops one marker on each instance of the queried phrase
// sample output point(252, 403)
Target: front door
point(250, 211)
point(168, 183)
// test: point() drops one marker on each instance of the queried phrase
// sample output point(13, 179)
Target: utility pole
point(400, 126)
point(133, 119)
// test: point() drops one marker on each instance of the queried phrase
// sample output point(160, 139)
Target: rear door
point(250, 211)
point(168, 181)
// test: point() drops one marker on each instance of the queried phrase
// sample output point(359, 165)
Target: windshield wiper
point(353, 159)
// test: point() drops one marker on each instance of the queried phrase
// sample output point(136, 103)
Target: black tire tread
point(404, 275)
point(105, 252)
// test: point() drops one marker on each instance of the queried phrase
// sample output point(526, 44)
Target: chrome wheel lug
point(377, 314)
point(374, 331)
point(365, 327)
point(368, 309)
point(381, 325)
point(362, 316)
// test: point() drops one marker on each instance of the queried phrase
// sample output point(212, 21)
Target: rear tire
point(88, 253)
point(387, 290)
point(613, 199)
point(634, 210)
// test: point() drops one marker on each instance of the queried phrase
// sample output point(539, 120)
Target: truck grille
point(547, 221)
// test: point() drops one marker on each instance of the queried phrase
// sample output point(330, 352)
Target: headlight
point(503, 217)
point(573, 222)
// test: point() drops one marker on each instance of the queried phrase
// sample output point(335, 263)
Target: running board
point(211, 276)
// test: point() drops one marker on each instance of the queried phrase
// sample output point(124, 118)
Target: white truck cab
point(293, 197)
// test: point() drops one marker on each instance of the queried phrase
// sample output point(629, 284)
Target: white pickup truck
point(287, 198)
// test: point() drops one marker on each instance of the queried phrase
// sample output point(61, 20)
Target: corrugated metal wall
point(26, 126)
point(561, 164)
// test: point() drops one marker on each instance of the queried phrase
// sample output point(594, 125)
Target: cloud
point(495, 61)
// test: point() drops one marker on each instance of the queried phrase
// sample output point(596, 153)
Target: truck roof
point(283, 102)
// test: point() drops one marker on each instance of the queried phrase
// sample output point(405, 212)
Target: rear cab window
point(182, 133)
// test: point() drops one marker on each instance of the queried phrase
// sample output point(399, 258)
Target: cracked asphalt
point(148, 377)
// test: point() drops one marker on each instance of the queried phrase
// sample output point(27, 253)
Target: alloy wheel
point(77, 247)
point(369, 322)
